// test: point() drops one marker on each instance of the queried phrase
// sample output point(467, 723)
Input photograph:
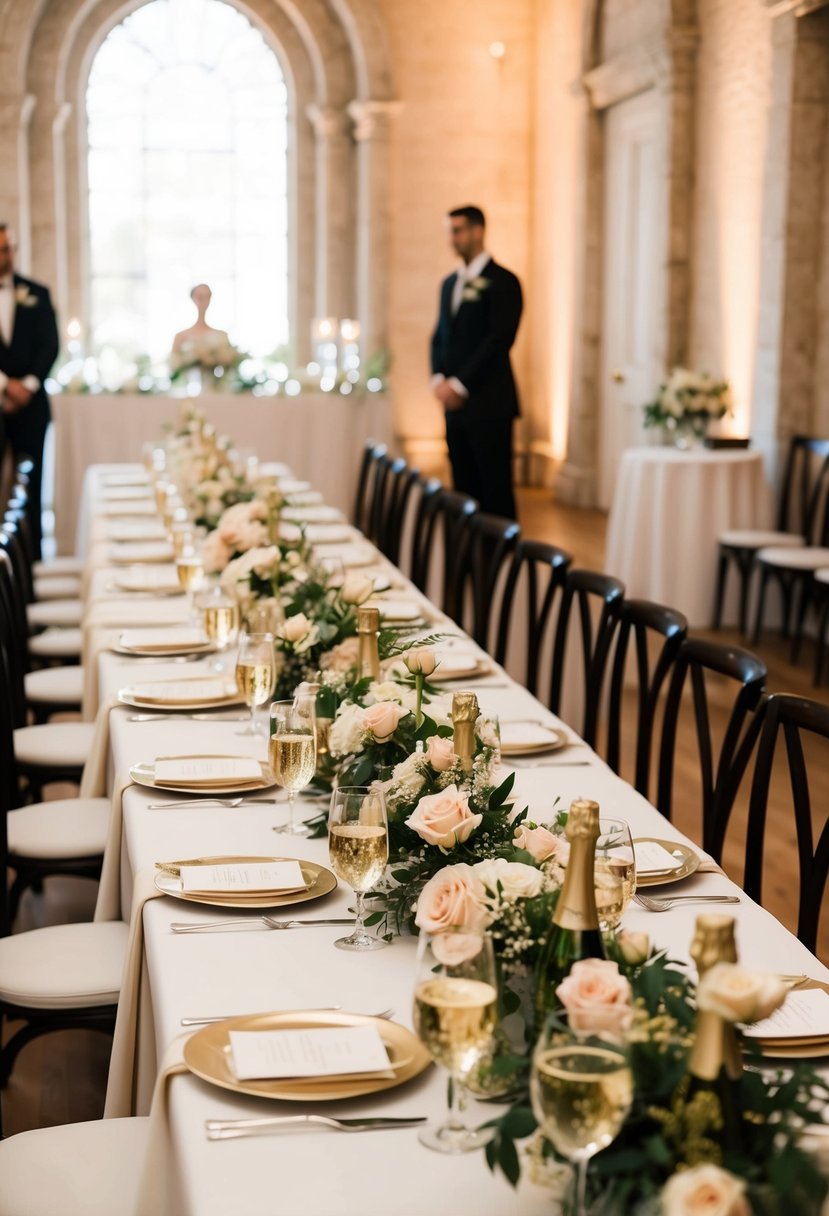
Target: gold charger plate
point(171, 652)
point(144, 774)
point(207, 1055)
point(558, 739)
point(156, 558)
point(480, 668)
point(320, 882)
point(126, 696)
point(691, 862)
point(791, 1051)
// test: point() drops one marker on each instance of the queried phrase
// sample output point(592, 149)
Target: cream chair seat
point(756, 538)
point(64, 966)
point(63, 587)
point(50, 614)
point(55, 685)
point(56, 644)
point(54, 745)
point(59, 567)
point(63, 828)
point(80, 1169)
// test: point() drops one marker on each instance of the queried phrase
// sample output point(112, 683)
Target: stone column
point(372, 125)
point(333, 289)
point(10, 119)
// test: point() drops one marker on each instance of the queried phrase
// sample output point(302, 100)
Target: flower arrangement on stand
point(686, 404)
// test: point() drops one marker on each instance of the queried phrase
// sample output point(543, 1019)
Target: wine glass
point(220, 619)
point(358, 846)
point(581, 1088)
point(255, 674)
point(614, 871)
point(293, 756)
point(455, 1015)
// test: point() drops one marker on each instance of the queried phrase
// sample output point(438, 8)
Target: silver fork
point(231, 1129)
point(665, 904)
point(167, 806)
point(270, 922)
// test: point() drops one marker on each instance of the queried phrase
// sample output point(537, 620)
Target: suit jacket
point(474, 344)
point(34, 342)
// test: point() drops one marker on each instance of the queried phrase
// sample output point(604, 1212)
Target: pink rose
point(356, 588)
point(454, 896)
point(382, 719)
point(215, 553)
point(441, 753)
point(341, 657)
point(421, 661)
point(704, 1190)
point(444, 818)
point(635, 947)
point(542, 843)
point(739, 995)
point(596, 997)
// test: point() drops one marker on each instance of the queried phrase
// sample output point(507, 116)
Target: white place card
point(525, 734)
point(162, 639)
point(324, 1052)
point(351, 555)
point(206, 770)
point(145, 506)
point(244, 878)
point(138, 478)
point(802, 1015)
point(652, 858)
point(305, 498)
point(397, 610)
point(312, 513)
point(157, 577)
point(130, 531)
point(327, 533)
point(457, 660)
point(142, 551)
point(119, 493)
point(183, 691)
point(288, 484)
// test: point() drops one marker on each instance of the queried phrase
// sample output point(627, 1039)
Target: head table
point(172, 977)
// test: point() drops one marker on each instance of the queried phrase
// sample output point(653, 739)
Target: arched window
point(187, 111)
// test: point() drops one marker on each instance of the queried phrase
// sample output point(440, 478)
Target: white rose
point(739, 995)
point(635, 947)
point(454, 896)
point(488, 732)
point(542, 843)
point(444, 819)
point(356, 588)
point(347, 730)
point(518, 881)
point(384, 690)
point(441, 753)
point(264, 562)
point(597, 998)
point(295, 628)
point(383, 719)
point(421, 661)
point(704, 1190)
point(215, 553)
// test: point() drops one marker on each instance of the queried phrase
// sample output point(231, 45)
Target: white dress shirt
point(8, 308)
point(466, 273)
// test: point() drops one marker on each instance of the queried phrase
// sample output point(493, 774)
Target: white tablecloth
point(319, 435)
point(257, 970)
point(668, 510)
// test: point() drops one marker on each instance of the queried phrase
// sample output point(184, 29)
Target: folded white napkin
point(457, 660)
point(142, 551)
point(146, 506)
point(312, 514)
point(349, 554)
point(182, 692)
point(126, 530)
point(125, 493)
point(525, 734)
point(158, 578)
point(398, 610)
point(162, 639)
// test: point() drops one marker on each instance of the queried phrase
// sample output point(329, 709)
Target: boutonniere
point(475, 288)
point(24, 298)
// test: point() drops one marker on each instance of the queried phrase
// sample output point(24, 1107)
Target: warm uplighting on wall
point(497, 50)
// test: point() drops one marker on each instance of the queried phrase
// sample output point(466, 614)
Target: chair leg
point(745, 566)
point(802, 611)
point(719, 595)
point(761, 604)
point(820, 643)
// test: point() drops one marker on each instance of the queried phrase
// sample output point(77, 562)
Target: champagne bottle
point(273, 501)
point(368, 654)
point(465, 714)
point(574, 933)
point(715, 1065)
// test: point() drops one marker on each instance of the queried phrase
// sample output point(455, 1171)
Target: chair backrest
point(8, 783)
point(804, 493)
point(719, 780)
point(11, 543)
point(439, 534)
point(587, 589)
point(427, 494)
point(372, 452)
point(794, 716)
point(404, 481)
point(10, 636)
point(644, 623)
point(480, 563)
point(537, 573)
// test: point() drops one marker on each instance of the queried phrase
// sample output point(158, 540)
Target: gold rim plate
point(691, 862)
point(320, 882)
point(127, 697)
point(480, 668)
point(206, 648)
point(144, 774)
point(207, 1055)
point(156, 559)
point(558, 739)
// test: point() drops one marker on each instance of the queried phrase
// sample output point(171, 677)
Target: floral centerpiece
point(212, 354)
point(687, 403)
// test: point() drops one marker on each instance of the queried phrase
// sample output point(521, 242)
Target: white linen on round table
point(668, 510)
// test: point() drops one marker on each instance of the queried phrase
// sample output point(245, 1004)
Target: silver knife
point(231, 1129)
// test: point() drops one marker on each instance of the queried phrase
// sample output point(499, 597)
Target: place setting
point(244, 882)
point(162, 642)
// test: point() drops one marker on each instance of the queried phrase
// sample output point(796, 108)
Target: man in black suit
point(480, 309)
point(28, 348)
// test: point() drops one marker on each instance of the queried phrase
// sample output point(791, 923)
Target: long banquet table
point(230, 972)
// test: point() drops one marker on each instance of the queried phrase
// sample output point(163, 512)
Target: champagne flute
point(293, 756)
point(358, 847)
point(614, 871)
point(255, 674)
point(220, 618)
point(455, 1015)
point(581, 1088)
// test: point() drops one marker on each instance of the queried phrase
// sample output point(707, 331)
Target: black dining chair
point(642, 626)
point(741, 679)
point(418, 555)
point(739, 547)
point(537, 573)
point(481, 563)
point(403, 482)
point(443, 521)
point(791, 718)
point(596, 599)
point(372, 453)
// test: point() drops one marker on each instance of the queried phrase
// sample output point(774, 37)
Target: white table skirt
point(668, 510)
point(319, 435)
point(253, 971)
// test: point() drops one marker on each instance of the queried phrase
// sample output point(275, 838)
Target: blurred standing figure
point(28, 348)
point(480, 309)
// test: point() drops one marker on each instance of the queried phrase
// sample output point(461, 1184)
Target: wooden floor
point(62, 1077)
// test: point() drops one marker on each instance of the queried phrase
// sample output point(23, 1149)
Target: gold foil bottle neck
point(465, 707)
point(582, 820)
point(368, 620)
point(713, 941)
